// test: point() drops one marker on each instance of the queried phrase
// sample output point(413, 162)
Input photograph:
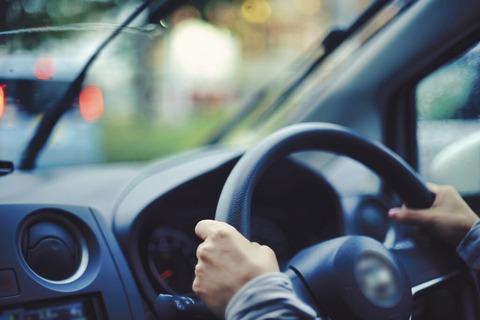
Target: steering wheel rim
point(351, 277)
point(235, 199)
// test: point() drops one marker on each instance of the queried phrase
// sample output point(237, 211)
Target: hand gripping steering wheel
point(351, 277)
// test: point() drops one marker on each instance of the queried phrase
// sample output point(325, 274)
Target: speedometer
point(172, 259)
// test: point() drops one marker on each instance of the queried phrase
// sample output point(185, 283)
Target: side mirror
point(458, 164)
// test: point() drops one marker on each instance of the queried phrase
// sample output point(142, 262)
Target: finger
point(196, 285)
point(201, 251)
point(204, 227)
point(268, 251)
point(404, 215)
point(200, 267)
point(214, 229)
point(432, 186)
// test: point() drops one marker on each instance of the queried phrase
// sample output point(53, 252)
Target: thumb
point(411, 216)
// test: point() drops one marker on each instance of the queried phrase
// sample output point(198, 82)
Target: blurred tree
point(16, 14)
point(3, 15)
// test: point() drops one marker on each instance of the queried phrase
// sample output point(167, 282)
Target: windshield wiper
point(53, 115)
point(331, 42)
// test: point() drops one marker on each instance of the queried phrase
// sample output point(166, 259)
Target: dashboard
point(60, 262)
point(126, 235)
point(102, 242)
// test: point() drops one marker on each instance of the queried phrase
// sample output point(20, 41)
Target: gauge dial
point(172, 259)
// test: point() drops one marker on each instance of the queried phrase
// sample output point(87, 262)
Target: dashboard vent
point(51, 250)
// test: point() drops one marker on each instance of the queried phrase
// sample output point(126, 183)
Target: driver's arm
point(239, 279)
point(450, 219)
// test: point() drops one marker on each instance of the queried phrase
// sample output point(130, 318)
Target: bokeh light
point(2, 101)
point(308, 7)
point(44, 68)
point(256, 11)
point(90, 103)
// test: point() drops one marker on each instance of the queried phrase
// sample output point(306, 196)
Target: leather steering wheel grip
point(234, 203)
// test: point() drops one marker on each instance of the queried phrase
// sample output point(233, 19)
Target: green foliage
point(445, 92)
point(35, 13)
point(134, 139)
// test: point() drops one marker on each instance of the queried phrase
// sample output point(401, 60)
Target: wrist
point(259, 281)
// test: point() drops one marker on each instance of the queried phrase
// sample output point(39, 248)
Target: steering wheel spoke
point(354, 277)
point(427, 266)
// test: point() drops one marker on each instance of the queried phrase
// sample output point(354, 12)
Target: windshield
point(160, 87)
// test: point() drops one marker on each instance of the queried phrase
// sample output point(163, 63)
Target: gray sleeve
point(469, 247)
point(269, 296)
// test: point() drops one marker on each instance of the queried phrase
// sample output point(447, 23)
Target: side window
point(448, 123)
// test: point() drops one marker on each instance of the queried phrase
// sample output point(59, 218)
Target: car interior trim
point(426, 285)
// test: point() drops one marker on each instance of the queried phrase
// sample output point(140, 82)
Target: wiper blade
point(331, 42)
point(85, 26)
point(52, 115)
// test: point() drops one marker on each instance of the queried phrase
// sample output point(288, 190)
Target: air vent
point(51, 250)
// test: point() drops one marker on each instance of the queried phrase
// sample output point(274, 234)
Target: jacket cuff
point(469, 248)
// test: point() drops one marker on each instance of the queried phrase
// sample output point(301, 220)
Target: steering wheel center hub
point(356, 278)
point(377, 280)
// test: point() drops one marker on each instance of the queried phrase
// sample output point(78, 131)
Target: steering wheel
point(351, 277)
